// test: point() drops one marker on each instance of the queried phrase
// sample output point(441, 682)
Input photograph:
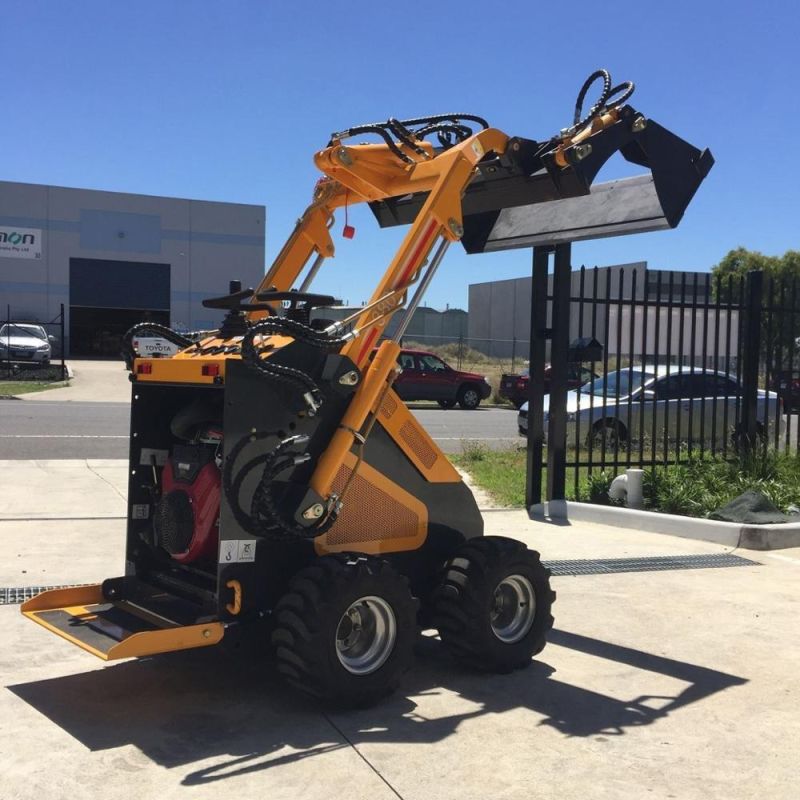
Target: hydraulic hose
point(265, 518)
point(295, 378)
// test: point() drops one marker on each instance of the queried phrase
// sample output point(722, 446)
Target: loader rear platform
point(118, 629)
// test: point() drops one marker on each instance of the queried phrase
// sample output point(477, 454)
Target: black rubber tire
point(616, 433)
point(307, 618)
point(464, 599)
point(469, 397)
point(446, 403)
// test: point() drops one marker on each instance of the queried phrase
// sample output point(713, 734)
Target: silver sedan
point(681, 402)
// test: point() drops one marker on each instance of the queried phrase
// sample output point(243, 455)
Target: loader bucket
point(84, 616)
point(524, 198)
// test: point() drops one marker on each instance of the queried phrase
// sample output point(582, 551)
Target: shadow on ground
point(186, 708)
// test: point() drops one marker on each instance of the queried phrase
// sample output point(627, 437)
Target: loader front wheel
point(345, 630)
point(492, 607)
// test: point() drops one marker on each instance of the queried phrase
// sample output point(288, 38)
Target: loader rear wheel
point(345, 630)
point(492, 607)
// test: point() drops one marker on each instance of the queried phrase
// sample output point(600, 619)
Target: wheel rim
point(365, 635)
point(513, 609)
point(471, 397)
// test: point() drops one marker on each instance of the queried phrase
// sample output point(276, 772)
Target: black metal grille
point(17, 595)
point(173, 521)
point(607, 566)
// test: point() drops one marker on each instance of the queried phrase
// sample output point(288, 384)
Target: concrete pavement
point(674, 684)
point(93, 381)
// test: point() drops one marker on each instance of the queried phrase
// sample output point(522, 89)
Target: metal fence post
point(538, 337)
point(559, 373)
point(63, 345)
point(751, 356)
point(8, 339)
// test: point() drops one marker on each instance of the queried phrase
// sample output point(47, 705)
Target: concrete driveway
point(93, 381)
point(676, 683)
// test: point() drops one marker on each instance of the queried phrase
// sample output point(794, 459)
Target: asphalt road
point(100, 430)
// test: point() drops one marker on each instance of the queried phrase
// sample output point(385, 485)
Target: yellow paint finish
point(364, 401)
point(83, 602)
point(377, 516)
point(397, 420)
point(187, 365)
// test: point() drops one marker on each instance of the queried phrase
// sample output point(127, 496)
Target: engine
point(186, 517)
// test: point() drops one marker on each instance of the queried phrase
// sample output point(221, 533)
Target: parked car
point(426, 377)
point(786, 384)
point(24, 341)
point(514, 387)
point(677, 393)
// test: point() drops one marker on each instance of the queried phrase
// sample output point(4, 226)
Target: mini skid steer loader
point(278, 485)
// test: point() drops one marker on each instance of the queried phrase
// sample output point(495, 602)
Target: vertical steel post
point(8, 339)
point(751, 354)
point(62, 344)
point(536, 360)
point(559, 374)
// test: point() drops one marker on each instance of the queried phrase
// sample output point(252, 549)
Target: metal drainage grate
point(15, 596)
point(609, 566)
point(581, 566)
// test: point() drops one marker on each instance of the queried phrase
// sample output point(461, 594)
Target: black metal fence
point(686, 369)
point(22, 348)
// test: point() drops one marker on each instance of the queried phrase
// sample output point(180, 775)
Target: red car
point(426, 377)
point(515, 387)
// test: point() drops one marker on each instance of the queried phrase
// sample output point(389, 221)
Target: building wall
point(205, 243)
point(500, 311)
point(428, 326)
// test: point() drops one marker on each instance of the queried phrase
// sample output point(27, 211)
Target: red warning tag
point(348, 232)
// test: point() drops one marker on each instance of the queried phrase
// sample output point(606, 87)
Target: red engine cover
point(204, 496)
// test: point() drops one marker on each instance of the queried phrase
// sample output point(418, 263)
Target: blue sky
point(228, 101)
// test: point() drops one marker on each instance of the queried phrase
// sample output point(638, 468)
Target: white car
point(679, 400)
point(23, 341)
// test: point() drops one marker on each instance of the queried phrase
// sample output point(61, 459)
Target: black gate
point(688, 366)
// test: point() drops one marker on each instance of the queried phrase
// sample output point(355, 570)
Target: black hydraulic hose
point(624, 89)
point(406, 137)
point(593, 111)
point(251, 355)
point(128, 353)
point(445, 118)
point(379, 130)
point(265, 518)
point(401, 129)
point(283, 326)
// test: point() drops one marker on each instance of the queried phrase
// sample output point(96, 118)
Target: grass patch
point(501, 473)
point(695, 488)
point(11, 388)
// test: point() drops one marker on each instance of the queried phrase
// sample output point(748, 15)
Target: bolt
point(515, 146)
point(206, 633)
point(314, 512)
point(456, 228)
point(349, 378)
point(639, 124)
point(581, 151)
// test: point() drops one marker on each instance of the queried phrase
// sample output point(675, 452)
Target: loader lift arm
point(455, 192)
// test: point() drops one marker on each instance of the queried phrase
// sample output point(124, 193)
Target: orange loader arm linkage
point(363, 173)
point(440, 192)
